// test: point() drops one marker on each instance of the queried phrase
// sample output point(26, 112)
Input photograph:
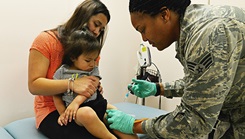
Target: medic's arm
point(173, 89)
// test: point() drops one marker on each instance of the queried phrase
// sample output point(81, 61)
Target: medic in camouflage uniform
point(211, 48)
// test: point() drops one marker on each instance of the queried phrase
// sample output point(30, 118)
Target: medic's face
point(155, 29)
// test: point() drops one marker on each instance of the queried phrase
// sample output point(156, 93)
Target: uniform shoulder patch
point(201, 65)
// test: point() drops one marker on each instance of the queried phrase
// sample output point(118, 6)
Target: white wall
point(22, 21)
point(118, 55)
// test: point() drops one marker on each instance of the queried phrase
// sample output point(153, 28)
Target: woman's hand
point(86, 85)
point(100, 88)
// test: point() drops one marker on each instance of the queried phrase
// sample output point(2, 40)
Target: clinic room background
point(22, 21)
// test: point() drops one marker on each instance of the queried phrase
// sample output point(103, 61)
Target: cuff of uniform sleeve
point(148, 128)
point(167, 92)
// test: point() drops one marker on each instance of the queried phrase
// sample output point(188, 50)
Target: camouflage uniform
point(211, 49)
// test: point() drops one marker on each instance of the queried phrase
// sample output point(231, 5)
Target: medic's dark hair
point(153, 7)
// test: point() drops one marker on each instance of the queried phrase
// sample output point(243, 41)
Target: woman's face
point(97, 23)
point(157, 30)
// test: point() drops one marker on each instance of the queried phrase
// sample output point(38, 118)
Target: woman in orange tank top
point(46, 56)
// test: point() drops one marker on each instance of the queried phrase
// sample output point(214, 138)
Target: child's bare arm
point(71, 110)
point(59, 104)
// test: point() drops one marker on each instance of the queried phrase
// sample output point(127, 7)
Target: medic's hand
point(120, 121)
point(143, 88)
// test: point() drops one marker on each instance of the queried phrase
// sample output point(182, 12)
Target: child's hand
point(71, 111)
point(62, 120)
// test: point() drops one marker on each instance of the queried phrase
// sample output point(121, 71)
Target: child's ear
point(72, 59)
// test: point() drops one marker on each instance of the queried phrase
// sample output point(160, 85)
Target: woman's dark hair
point(80, 42)
point(153, 7)
point(80, 18)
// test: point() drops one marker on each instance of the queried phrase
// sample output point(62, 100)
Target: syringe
point(129, 92)
point(126, 96)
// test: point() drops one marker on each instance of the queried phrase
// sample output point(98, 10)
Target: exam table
point(25, 128)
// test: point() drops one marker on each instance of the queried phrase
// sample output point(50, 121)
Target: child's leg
point(110, 106)
point(125, 136)
point(87, 117)
point(118, 133)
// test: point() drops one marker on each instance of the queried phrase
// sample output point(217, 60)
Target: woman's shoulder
point(48, 44)
point(48, 40)
point(48, 35)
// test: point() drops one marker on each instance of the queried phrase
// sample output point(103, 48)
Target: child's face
point(85, 62)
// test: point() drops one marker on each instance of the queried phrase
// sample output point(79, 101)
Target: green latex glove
point(120, 121)
point(143, 88)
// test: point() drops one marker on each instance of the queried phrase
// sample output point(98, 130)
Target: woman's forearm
point(46, 87)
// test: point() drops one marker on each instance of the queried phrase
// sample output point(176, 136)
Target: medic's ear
point(165, 13)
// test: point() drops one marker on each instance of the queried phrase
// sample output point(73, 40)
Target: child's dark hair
point(80, 42)
point(153, 7)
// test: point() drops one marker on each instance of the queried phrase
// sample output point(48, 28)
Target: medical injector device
point(144, 73)
point(144, 60)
